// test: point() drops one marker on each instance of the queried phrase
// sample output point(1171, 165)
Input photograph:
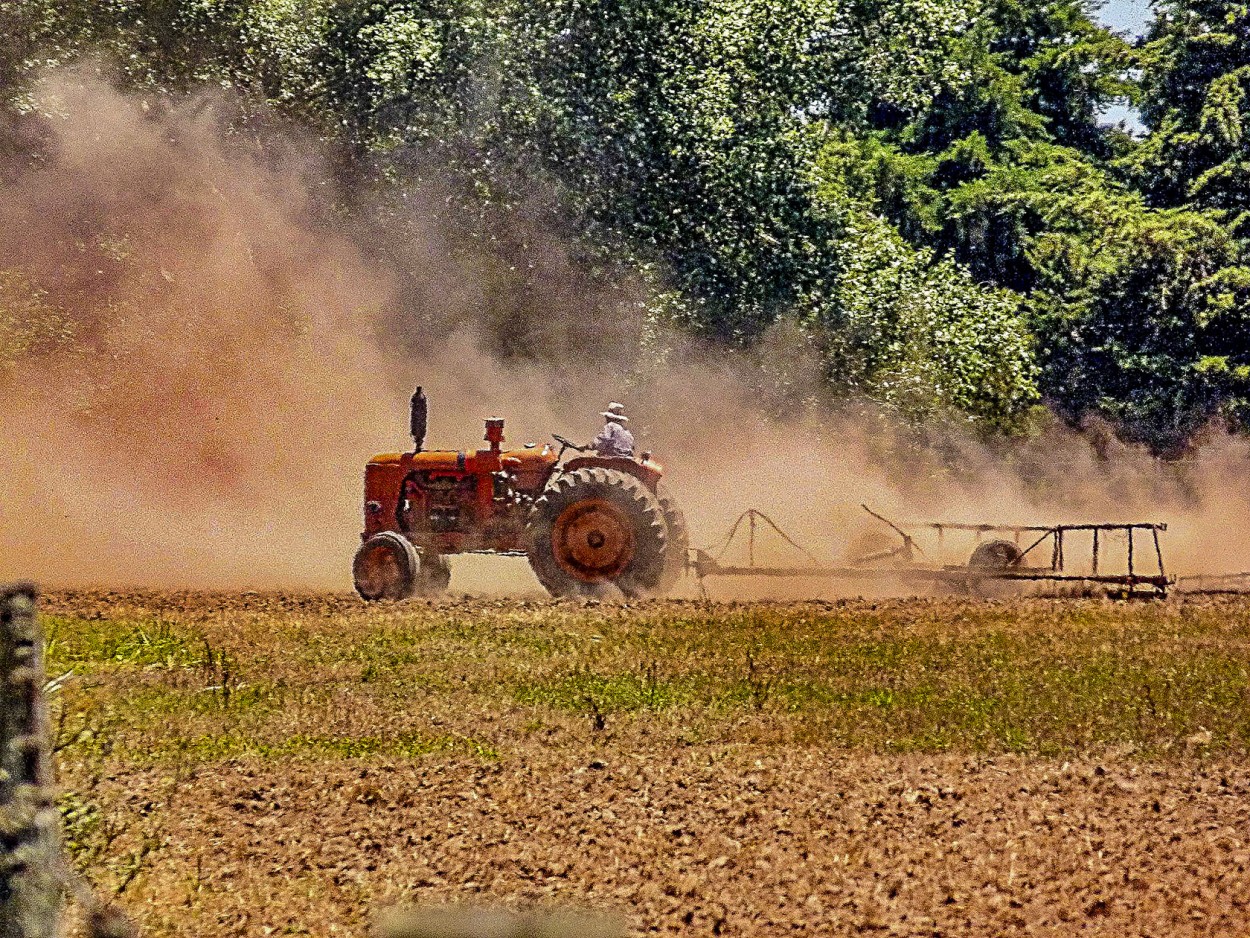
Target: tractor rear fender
point(648, 473)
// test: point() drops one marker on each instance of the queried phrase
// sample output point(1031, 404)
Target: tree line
point(925, 190)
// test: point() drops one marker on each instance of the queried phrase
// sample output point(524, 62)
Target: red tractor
point(586, 524)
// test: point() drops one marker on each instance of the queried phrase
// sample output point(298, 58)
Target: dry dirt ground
point(252, 765)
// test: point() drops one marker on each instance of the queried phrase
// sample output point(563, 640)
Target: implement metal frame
point(705, 564)
point(1214, 584)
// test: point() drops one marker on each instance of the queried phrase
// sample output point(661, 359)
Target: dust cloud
point(220, 348)
point(223, 346)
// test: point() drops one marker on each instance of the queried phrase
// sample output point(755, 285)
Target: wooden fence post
point(30, 862)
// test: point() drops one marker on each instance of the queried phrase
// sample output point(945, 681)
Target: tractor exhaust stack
point(417, 419)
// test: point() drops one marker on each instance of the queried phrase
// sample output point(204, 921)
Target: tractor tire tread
point(595, 482)
point(411, 563)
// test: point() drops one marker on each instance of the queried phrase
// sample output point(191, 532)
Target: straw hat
point(615, 411)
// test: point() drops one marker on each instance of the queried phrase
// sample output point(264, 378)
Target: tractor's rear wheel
point(593, 528)
point(389, 566)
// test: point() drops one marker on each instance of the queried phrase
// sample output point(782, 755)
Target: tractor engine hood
point(449, 460)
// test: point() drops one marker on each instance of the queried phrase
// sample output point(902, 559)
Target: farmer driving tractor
point(614, 439)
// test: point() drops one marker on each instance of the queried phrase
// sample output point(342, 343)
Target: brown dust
point(231, 348)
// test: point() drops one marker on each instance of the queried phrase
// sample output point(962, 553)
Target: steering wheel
point(568, 444)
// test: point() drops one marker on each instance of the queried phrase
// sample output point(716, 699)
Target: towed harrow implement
point(1004, 557)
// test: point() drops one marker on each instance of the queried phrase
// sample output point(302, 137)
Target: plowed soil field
point(256, 764)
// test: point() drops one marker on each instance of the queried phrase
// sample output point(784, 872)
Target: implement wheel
point(995, 556)
point(594, 528)
point(988, 559)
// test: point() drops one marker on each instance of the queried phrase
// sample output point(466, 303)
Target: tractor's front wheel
point(386, 567)
point(594, 528)
point(389, 566)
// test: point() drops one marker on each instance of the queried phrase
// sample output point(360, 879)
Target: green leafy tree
point(908, 331)
point(1196, 100)
point(921, 186)
point(1148, 326)
point(682, 129)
